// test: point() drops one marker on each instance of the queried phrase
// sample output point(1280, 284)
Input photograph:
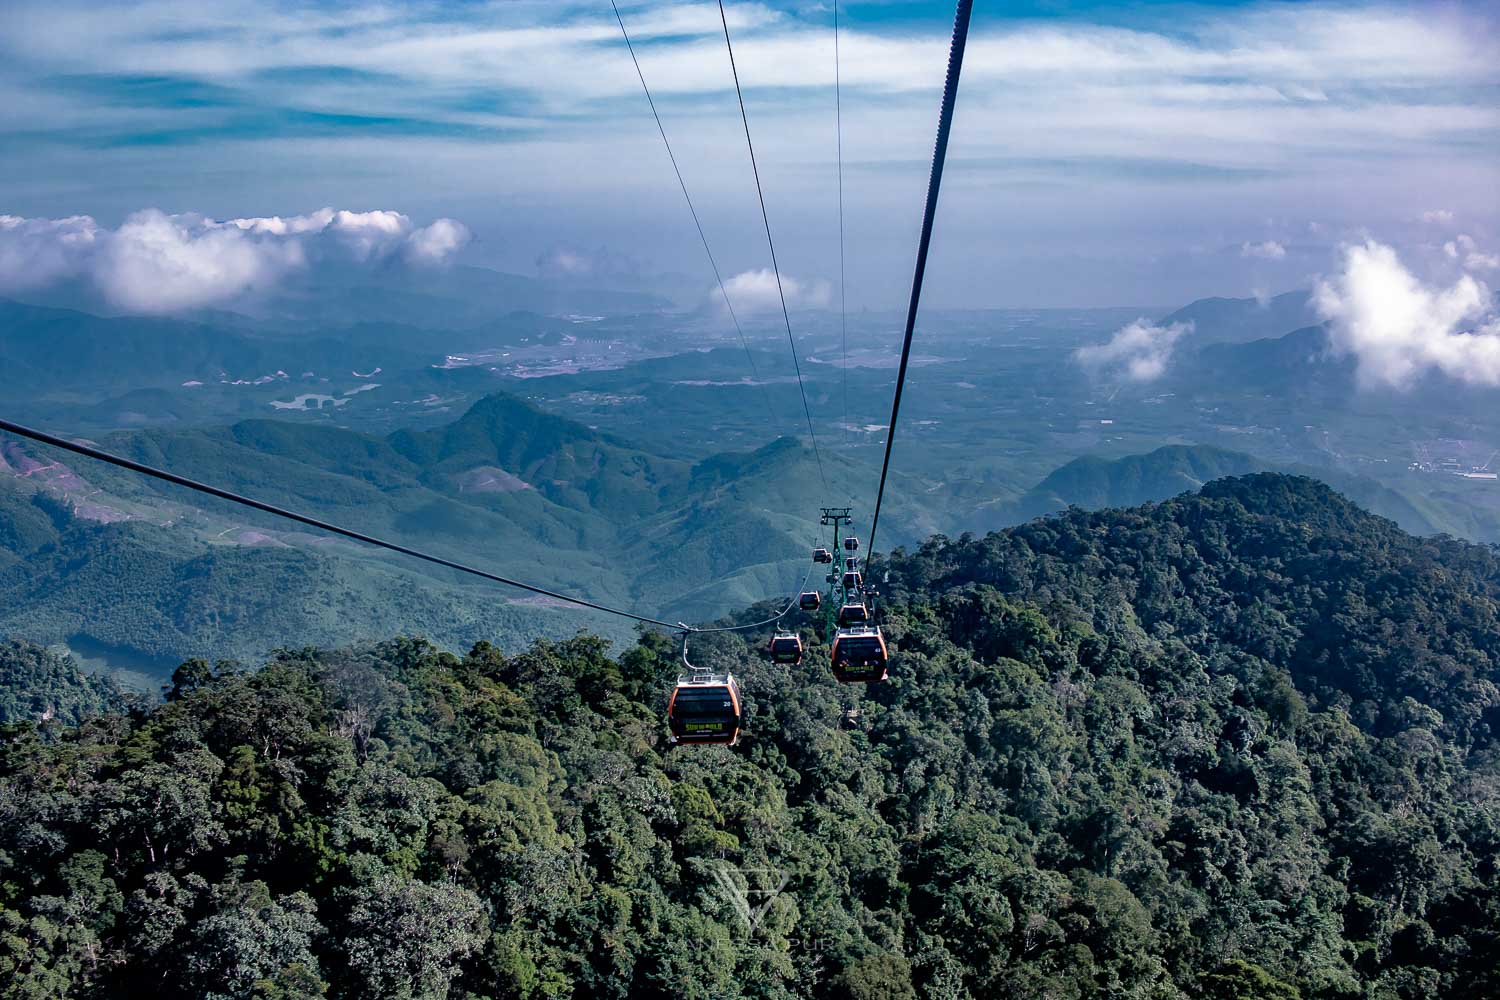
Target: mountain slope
point(1093, 483)
point(1263, 549)
point(536, 496)
point(1238, 321)
point(159, 595)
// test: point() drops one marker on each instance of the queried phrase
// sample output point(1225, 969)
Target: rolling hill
point(147, 596)
point(542, 497)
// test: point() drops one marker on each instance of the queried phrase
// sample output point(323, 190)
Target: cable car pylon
point(837, 518)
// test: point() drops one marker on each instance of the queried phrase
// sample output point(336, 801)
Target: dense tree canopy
point(39, 686)
point(1239, 746)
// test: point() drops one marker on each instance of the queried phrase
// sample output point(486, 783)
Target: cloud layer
point(1074, 130)
point(1399, 327)
point(159, 263)
point(1138, 352)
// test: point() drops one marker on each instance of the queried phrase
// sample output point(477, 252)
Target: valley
point(634, 458)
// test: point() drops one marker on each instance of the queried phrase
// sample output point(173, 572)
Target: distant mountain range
point(632, 520)
point(1093, 483)
point(90, 550)
point(1238, 321)
point(92, 553)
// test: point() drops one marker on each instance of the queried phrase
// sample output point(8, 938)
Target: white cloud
point(437, 243)
point(155, 262)
point(1464, 248)
point(1259, 78)
point(38, 252)
point(1139, 351)
point(163, 263)
point(1398, 327)
point(294, 226)
point(1269, 250)
point(564, 263)
point(368, 236)
point(755, 291)
point(1438, 217)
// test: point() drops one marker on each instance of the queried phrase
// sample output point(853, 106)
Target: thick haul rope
point(934, 182)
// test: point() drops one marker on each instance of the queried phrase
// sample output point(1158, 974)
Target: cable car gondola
point(705, 708)
point(853, 581)
point(822, 556)
point(859, 654)
point(786, 647)
point(852, 563)
point(854, 613)
point(810, 600)
point(851, 544)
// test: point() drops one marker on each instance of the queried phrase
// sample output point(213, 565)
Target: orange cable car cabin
point(859, 654)
point(705, 709)
point(786, 647)
point(853, 614)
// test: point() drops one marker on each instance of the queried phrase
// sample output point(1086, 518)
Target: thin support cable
point(768, 621)
point(718, 277)
point(934, 182)
point(20, 430)
point(775, 267)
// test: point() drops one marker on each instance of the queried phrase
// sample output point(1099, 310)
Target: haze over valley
point(641, 453)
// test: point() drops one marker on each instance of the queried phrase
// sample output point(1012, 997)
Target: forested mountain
point(505, 484)
point(1238, 745)
point(152, 594)
point(1094, 482)
point(1299, 361)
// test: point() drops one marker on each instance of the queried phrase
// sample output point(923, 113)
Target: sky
point(1102, 154)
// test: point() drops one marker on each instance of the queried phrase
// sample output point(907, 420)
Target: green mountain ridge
point(575, 510)
point(161, 596)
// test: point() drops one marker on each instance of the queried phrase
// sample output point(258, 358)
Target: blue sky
point(1103, 153)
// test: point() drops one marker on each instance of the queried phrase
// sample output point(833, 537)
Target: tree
point(404, 939)
point(1240, 980)
point(252, 942)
